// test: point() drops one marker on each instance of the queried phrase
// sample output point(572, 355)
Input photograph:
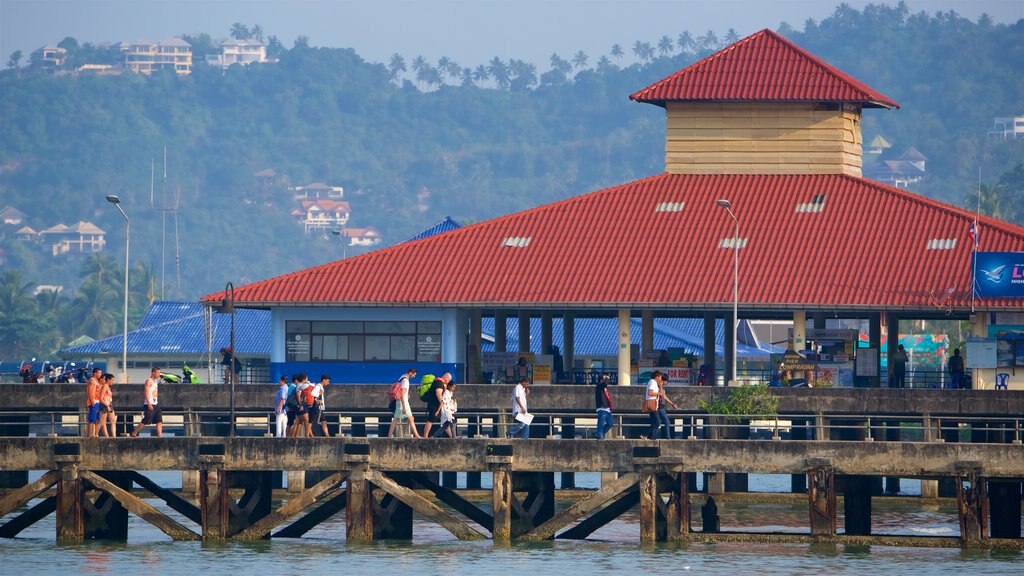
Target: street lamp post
point(113, 199)
point(343, 238)
point(735, 285)
point(228, 307)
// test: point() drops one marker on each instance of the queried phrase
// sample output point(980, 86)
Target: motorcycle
point(187, 376)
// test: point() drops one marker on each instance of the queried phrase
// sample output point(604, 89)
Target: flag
point(973, 233)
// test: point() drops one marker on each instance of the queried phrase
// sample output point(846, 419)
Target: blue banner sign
point(999, 274)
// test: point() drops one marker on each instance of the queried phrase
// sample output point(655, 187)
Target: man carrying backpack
point(300, 424)
point(402, 410)
point(316, 409)
point(433, 397)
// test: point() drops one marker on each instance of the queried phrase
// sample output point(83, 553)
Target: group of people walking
point(99, 400)
point(299, 407)
point(439, 415)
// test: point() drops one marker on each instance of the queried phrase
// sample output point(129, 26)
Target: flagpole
point(974, 244)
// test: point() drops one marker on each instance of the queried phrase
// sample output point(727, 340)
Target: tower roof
point(763, 67)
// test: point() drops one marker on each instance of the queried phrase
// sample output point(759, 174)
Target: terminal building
point(761, 208)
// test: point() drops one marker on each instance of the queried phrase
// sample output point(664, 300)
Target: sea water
point(613, 549)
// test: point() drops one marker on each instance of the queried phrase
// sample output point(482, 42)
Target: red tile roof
point(655, 242)
point(763, 67)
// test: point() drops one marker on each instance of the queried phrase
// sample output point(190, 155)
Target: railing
point(492, 423)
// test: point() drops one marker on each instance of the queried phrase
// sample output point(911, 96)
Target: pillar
point(857, 505)
point(875, 342)
point(950, 433)
point(710, 348)
point(569, 345)
point(501, 501)
point(821, 499)
point(213, 503)
point(1004, 498)
point(296, 481)
point(524, 331)
point(473, 358)
point(13, 425)
point(646, 331)
point(648, 485)
point(623, 346)
point(799, 341)
point(190, 482)
point(545, 332)
point(819, 320)
point(971, 503)
point(729, 342)
point(358, 506)
point(798, 431)
point(929, 488)
point(500, 332)
point(891, 344)
point(70, 517)
point(892, 434)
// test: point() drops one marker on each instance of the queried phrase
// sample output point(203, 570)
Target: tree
point(15, 62)
point(708, 42)
point(481, 74)
point(396, 65)
point(274, 47)
point(499, 71)
point(580, 59)
point(257, 32)
point(731, 37)
point(665, 46)
point(643, 51)
point(92, 309)
point(301, 43)
point(617, 52)
point(239, 31)
point(685, 42)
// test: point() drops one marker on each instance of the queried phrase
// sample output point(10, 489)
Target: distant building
point(318, 190)
point(244, 52)
point(53, 58)
point(146, 57)
point(1011, 127)
point(11, 215)
point(83, 237)
point(322, 214)
point(362, 236)
point(906, 169)
point(877, 145)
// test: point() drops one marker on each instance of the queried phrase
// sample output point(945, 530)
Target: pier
point(838, 445)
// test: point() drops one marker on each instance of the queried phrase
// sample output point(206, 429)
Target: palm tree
point(617, 52)
point(499, 71)
point(442, 64)
point(396, 65)
point(15, 293)
point(257, 32)
point(524, 75)
point(708, 42)
point(481, 74)
point(15, 62)
point(580, 60)
point(643, 51)
point(731, 37)
point(466, 77)
point(95, 311)
point(239, 31)
point(685, 42)
point(665, 45)
point(604, 64)
point(101, 267)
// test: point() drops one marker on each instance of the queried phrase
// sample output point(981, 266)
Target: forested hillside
point(414, 143)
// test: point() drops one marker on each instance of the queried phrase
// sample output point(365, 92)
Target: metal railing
point(495, 423)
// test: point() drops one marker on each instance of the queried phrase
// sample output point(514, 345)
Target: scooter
point(187, 376)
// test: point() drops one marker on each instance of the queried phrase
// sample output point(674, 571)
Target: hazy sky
point(471, 32)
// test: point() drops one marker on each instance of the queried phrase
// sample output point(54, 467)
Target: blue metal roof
point(441, 227)
point(597, 336)
point(179, 328)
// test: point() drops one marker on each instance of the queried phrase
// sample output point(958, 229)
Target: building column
point(473, 357)
point(982, 377)
point(892, 344)
point(624, 342)
point(820, 320)
point(729, 345)
point(545, 332)
point(646, 331)
point(875, 342)
point(710, 348)
point(569, 344)
point(500, 332)
point(524, 331)
point(799, 341)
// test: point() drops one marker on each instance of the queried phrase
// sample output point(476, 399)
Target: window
point(345, 341)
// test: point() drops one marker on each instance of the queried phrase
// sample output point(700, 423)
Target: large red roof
point(812, 241)
point(763, 67)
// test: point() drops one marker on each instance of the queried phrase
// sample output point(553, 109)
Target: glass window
point(378, 348)
point(297, 348)
point(296, 326)
point(428, 348)
point(390, 327)
point(428, 327)
point(403, 348)
point(337, 327)
point(355, 349)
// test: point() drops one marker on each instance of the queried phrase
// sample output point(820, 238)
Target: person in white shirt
point(279, 401)
point(659, 417)
point(402, 410)
point(521, 428)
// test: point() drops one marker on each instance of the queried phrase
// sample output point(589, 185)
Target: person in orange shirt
point(107, 414)
point(92, 403)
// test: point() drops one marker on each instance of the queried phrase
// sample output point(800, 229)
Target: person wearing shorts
point(151, 412)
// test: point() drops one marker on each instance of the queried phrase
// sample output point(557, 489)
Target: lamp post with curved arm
point(113, 199)
point(735, 285)
point(228, 307)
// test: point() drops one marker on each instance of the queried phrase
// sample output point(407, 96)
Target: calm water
point(614, 548)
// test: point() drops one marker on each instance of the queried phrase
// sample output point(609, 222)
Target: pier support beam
point(624, 341)
point(972, 505)
point(892, 434)
point(1004, 497)
point(677, 509)
point(798, 431)
point(857, 505)
point(501, 503)
point(821, 499)
point(213, 503)
point(359, 506)
point(70, 517)
point(648, 485)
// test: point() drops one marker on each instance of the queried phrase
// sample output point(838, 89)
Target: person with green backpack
point(402, 409)
point(433, 396)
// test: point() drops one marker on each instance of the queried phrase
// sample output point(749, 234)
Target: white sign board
point(867, 362)
point(981, 353)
